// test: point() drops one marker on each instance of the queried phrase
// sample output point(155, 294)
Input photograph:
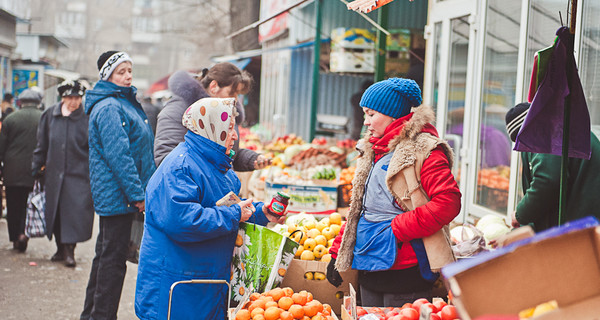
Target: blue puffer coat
point(121, 148)
point(186, 236)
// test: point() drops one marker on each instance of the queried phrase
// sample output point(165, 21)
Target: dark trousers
point(370, 298)
point(16, 210)
point(104, 288)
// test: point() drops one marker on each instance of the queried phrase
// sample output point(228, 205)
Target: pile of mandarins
point(284, 304)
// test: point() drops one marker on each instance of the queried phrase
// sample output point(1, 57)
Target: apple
point(310, 244)
point(321, 239)
point(329, 233)
point(320, 251)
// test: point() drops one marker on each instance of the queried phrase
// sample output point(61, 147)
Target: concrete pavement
point(32, 287)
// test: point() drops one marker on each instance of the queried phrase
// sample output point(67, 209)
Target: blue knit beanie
point(393, 97)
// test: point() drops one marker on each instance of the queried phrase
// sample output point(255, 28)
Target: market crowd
point(100, 151)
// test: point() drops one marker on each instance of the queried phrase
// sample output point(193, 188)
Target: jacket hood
point(104, 89)
point(183, 84)
point(213, 152)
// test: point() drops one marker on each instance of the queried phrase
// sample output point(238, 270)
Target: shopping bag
point(35, 221)
point(260, 260)
point(135, 240)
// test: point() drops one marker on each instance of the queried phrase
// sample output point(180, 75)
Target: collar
point(381, 144)
point(78, 113)
point(209, 150)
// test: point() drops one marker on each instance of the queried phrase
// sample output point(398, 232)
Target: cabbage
point(292, 151)
point(280, 228)
point(336, 149)
point(494, 231)
point(489, 219)
point(461, 233)
point(299, 219)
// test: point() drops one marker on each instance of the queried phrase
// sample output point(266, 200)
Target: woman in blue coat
point(121, 163)
point(186, 235)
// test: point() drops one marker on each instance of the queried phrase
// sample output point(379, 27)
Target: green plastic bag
point(260, 260)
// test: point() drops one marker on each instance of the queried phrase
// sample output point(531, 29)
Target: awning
point(366, 6)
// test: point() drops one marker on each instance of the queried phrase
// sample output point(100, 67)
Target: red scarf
point(380, 145)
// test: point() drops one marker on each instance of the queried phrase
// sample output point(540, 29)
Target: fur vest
point(410, 149)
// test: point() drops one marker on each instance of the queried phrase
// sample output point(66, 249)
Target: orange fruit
point(285, 303)
point(284, 315)
point(310, 310)
point(257, 304)
point(299, 298)
point(276, 293)
point(309, 297)
point(254, 296)
point(318, 305)
point(258, 317)
point(297, 311)
point(272, 313)
point(288, 291)
point(257, 311)
point(326, 309)
point(318, 316)
point(270, 304)
point(242, 315)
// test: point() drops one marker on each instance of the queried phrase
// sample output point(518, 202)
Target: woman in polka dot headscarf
point(186, 235)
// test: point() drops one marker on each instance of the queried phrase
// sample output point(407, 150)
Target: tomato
point(434, 317)
point(430, 306)
point(406, 305)
point(409, 314)
point(449, 313)
point(375, 310)
point(360, 311)
point(417, 304)
point(439, 304)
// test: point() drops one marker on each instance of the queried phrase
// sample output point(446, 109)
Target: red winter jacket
point(444, 205)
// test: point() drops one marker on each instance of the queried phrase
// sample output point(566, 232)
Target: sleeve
point(117, 152)
point(337, 242)
point(544, 188)
point(259, 216)
point(4, 133)
point(41, 150)
point(444, 205)
point(175, 208)
point(244, 160)
point(169, 130)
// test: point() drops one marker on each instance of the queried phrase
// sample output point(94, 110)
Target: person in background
point(151, 111)
point(121, 163)
point(541, 182)
point(358, 116)
point(17, 142)
point(61, 158)
point(223, 80)
point(7, 106)
point(383, 236)
point(186, 235)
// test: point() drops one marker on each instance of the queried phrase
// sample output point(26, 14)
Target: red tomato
point(406, 305)
point(409, 314)
point(417, 304)
point(434, 317)
point(430, 306)
point(360, 311)
point(375, 310)
point(449, 313)
point(439, 304)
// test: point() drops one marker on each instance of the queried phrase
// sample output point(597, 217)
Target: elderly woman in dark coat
point(61, 157)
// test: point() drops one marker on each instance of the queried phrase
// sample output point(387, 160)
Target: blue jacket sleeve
point(175, 208)
point(115, 143)
point(259, 217)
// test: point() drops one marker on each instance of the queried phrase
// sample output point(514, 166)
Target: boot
point(22, 243)
point(59, 255)
point(69, 254)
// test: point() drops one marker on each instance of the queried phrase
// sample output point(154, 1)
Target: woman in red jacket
point(383, 236)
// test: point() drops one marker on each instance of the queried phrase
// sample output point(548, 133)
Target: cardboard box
point(561, 264)
point(322, 290)
point(319, 199)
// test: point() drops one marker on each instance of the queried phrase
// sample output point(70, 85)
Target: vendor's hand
point(247, 209)
point(272, 217)
point(140, 205)
point(514, 222)
point(261, 162)
point(333, 276)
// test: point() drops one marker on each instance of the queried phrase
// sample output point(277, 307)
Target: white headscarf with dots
point(210, 118)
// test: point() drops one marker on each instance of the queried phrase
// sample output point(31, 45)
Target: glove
point(333, 276)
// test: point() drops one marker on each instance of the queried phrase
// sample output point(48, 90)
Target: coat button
point(146, 121)
point(123, 124)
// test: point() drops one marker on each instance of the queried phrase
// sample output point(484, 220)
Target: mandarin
point(242, 315)
point(299, 298)
point(270, 304)
point(257, 311)
point(285, 315)
point(288, 291)
point(272, 313)
point(257, 304)
point(297, 311)
point(285, 303)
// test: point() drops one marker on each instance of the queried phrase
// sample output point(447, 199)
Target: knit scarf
point(381, 144)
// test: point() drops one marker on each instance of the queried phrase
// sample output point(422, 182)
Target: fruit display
point(249, 140)
point(284, 304)
point(281, 143)
point(439, 310)
point(492, 187)
point(314, 236)
point(317, 156)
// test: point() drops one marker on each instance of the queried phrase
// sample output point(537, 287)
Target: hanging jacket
point(120, 140)
point(186, 236)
